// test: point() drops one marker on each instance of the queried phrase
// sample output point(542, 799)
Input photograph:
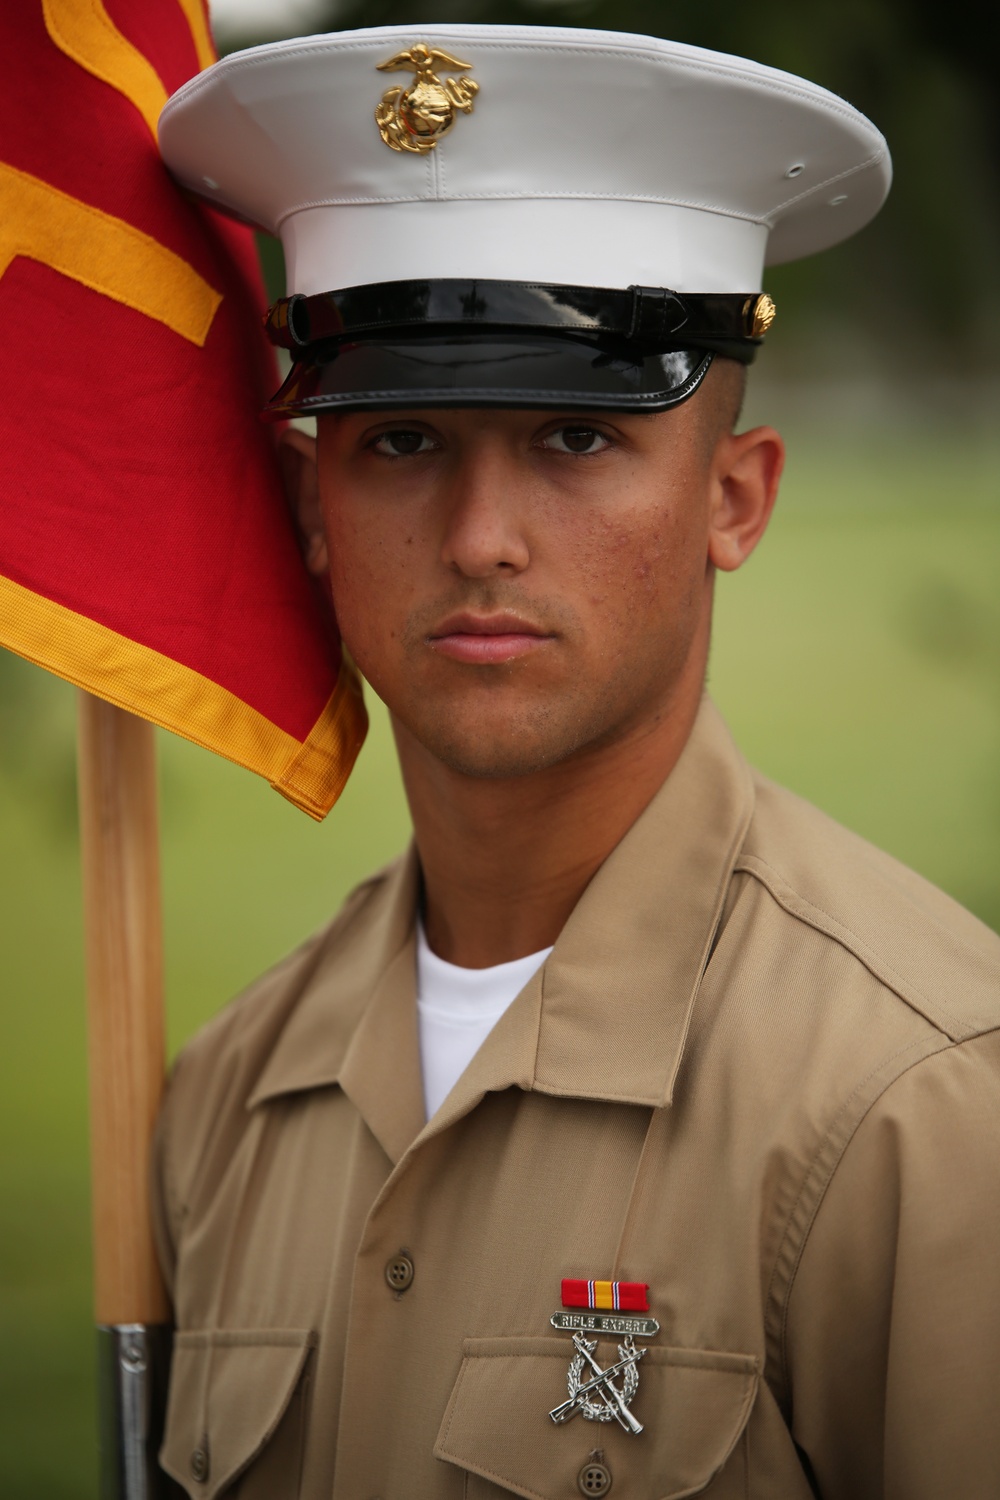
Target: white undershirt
point(456, 1011)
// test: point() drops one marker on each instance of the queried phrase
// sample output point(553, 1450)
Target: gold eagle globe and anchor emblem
point(415, 118)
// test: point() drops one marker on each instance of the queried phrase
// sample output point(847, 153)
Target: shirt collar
point(605, 1018)
point(355, 1022)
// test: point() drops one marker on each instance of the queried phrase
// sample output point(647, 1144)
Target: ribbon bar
point(612, 1296)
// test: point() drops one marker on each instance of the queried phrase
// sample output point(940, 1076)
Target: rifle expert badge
point(594, 1391)
point(415, 118)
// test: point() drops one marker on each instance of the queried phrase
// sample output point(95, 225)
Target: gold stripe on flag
point(311, 773)
point(86, 33)
point(102, 252)
point(194, 10)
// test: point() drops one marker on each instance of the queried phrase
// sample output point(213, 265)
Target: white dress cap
point(593, 158)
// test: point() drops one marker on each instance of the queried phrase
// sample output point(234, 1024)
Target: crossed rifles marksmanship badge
point(595, 1392)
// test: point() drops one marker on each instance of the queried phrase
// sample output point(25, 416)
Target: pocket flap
point(693, 1404)
point(229, 1390)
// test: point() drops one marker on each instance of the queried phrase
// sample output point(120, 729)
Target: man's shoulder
point(208, 1105)
point(220, 1066)
point(919, 942)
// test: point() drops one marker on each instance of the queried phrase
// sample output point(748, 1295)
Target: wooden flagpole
point(124, 949)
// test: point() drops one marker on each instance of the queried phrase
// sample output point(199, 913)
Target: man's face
point(521, 587)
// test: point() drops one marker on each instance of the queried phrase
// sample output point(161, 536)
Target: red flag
point(145, 550)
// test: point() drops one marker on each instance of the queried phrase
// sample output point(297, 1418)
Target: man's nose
point(484, 531)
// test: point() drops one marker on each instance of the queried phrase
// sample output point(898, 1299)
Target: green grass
point(857, 658)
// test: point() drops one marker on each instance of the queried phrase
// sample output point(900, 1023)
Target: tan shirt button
point(594, 1479)
point(199, 1464)
point(399, 1272)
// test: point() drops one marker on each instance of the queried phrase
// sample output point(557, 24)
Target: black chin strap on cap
point(451, 342)
point(727, 323)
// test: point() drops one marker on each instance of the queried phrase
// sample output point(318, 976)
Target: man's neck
point(504, 861)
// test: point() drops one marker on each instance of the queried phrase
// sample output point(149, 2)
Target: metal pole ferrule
point(133, 1371)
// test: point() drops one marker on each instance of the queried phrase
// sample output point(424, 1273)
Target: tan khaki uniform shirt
point(760, 1071)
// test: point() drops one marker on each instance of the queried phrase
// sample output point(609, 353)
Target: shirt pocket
point(693, 1404)
point(236, 1412)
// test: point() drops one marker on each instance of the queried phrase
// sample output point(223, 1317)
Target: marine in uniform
point(637, 1131)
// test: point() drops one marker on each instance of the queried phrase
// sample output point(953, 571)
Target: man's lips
point(485, 639)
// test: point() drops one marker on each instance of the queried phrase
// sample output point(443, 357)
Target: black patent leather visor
point(515, 370)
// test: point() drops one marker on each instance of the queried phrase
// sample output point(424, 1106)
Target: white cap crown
point(586, 157)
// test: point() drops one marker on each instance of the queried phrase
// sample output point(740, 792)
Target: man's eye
point(401, 442)
point(577, 440)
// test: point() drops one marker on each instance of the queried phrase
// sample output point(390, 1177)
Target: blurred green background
point(857, 656)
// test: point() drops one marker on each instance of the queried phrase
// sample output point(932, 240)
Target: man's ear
point(297, 454)
point(746, 470)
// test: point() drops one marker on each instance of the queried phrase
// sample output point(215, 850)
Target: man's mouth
point(486, 639)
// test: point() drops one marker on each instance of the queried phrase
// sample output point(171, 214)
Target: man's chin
point(495, 741)
point(492, 746)
point(492, 761)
